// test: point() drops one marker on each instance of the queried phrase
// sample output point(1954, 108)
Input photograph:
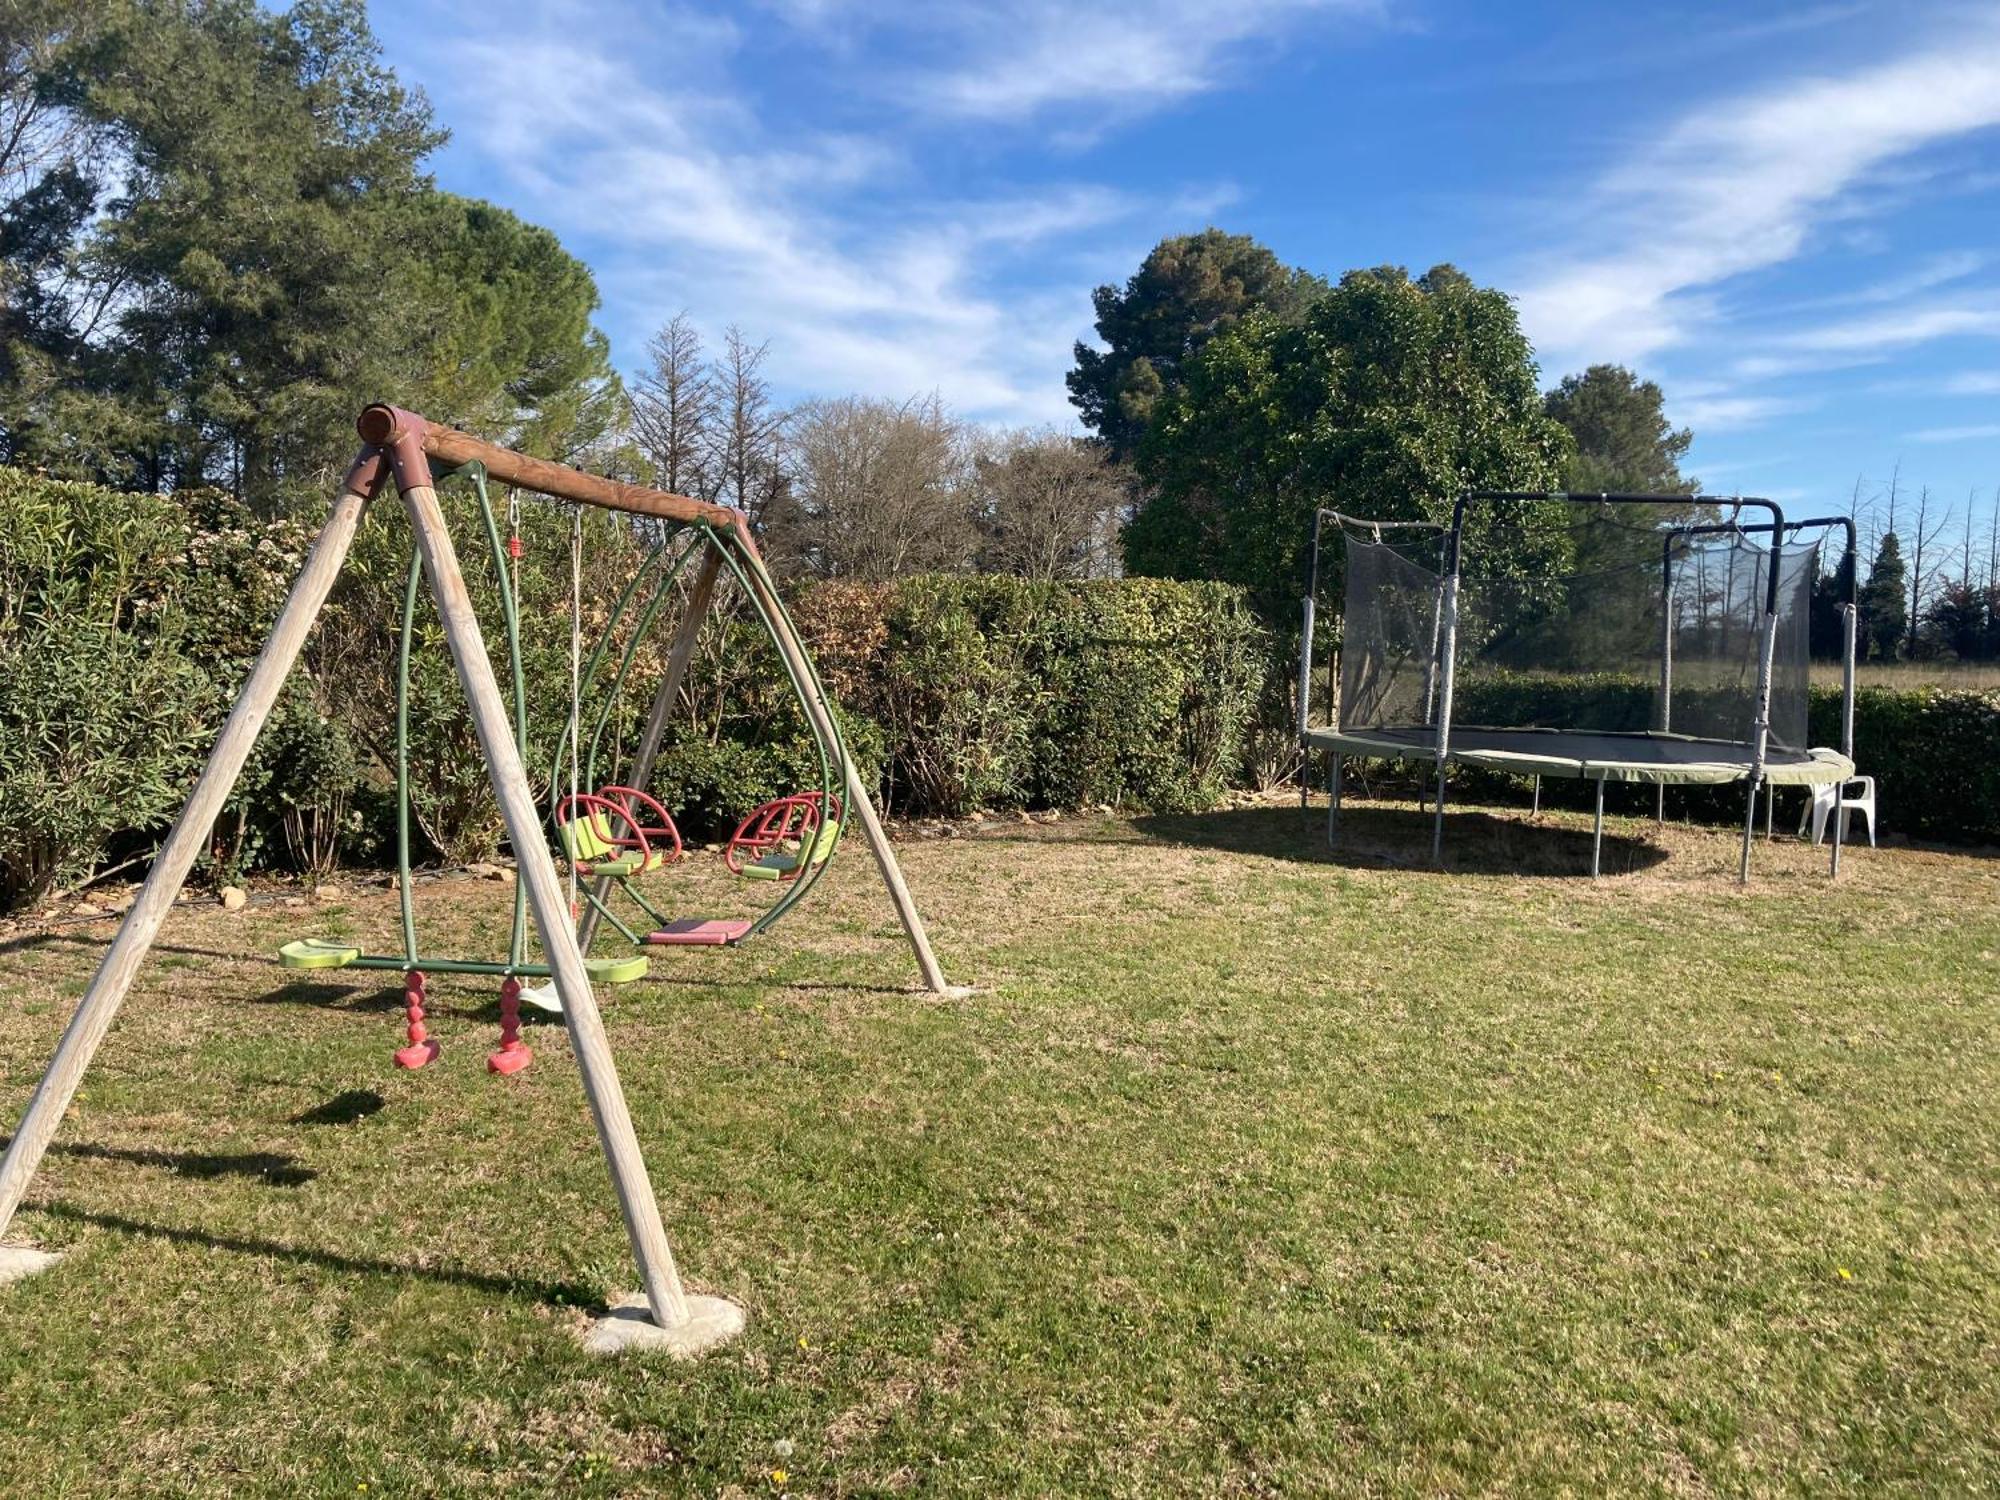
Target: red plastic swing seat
point(694, 932)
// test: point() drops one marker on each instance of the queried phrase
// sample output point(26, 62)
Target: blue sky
point(1788, 214)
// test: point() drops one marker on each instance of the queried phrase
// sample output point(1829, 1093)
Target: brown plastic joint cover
point(401, 435)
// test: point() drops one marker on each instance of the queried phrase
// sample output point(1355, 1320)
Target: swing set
point(614, 834)
point(794, 838)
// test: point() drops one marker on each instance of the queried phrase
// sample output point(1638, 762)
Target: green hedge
point(127, 623)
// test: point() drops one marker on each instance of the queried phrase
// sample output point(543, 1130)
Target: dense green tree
point(1190, 288)
point(506, 347)
point(1624, 441)
point(1885, 601)
point(1391, 398)
point(1955, 623)
point(238, 248)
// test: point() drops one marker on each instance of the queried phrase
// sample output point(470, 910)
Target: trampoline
point(1633, 639)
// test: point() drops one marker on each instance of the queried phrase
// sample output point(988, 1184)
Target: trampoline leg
point(1437, 823)
point(1660, 805)
point(1749, 833)
point(1333, 799)
point(1839, 825)
point(1770, 808)
point(1597, 835)
point(1535, 811)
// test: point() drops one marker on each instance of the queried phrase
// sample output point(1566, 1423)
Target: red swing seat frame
point(617, 803)
point(797, 817)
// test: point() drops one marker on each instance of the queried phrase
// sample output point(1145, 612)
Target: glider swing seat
point(591, 824)
point(1686, 664)
point(400, 448)
point(784, 837)
point(604, 834)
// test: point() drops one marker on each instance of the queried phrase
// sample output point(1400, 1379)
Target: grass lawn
point(1249, 1169)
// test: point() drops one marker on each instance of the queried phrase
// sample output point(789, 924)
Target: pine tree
point(1885, 600)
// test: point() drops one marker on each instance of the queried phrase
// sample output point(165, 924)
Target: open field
point(1971, 676)
point(1249, 1169)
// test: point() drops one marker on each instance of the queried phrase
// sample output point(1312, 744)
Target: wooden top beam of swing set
point(388, 427)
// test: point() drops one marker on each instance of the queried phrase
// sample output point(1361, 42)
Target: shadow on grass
point(342, 1109)
point(266, 1166)
point(554, 1292)
point(1372, 836)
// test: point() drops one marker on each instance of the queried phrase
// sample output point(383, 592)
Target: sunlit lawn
point(1248, 1169)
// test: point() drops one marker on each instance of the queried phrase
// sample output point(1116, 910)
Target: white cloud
point(1900, 328)
point(1013, 60)
point(1980, 432)
point(822, 242)
point(1739, 184)
point(1021, 57)
point(1974, 383)
point(1720, 412)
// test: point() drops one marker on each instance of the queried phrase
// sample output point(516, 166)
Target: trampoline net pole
point(1431, 667)
point(1666, 669)
point(1449, 611)
point(1760, 734)
point(1305, 702)
point(1850, 619)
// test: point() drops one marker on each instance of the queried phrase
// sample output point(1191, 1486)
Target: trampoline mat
point(1594, 755)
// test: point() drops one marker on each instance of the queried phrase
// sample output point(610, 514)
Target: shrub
point(105, 709)
point(101, 735)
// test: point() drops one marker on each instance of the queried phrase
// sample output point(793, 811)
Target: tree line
point(218, 239)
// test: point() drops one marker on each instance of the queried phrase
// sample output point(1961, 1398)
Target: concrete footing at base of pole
point(628, 1328)
point(18, 1262)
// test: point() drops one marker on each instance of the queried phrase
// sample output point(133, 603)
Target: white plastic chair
point(1825, 799)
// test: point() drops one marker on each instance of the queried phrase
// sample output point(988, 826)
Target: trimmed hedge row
point(127, 623)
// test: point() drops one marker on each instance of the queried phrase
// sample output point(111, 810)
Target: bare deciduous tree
point(1926, 533)
point(747, 448)
point(674, 411)
point(1050, 505)
point(878, 489)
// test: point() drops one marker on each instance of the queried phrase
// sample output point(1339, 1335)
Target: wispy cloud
point(818, 240)
point(1978, 432)
point(1739, 185)
point(1901, 328)
point(1722, 412)
point(1973, 383)
point(1016, 60)
point(1019, 58)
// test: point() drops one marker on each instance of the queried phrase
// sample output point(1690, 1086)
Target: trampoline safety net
point(1656, 629)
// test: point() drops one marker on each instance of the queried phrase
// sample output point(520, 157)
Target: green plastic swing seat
point(318, 953)
point(616, 970)
point(781, 863)
point(329, 953)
